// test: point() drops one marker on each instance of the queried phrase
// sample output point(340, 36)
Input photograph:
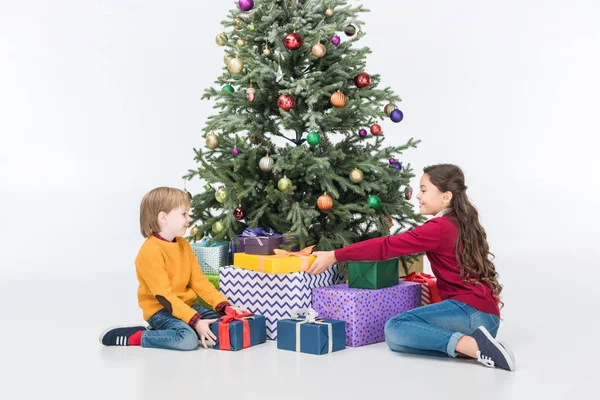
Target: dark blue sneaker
point(119, 336)
point(492, 353)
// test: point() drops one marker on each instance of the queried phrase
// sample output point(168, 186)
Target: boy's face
point(175, 223)
point(431, 200)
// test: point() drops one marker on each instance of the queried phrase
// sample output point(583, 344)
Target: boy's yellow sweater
point(170, 278)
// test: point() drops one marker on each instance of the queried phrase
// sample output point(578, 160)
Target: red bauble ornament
point(325, 202)
point(239, 214)
point(362, 80)
point(286, 102)
point(375, 129)
point(293, 41)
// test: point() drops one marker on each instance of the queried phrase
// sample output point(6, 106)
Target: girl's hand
point(325, 259)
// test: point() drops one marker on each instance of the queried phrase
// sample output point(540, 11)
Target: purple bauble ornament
point(246, 5)
point(235, 151)
point(363, 133)
point(396, 115)
point(336, 40)
point(392, 160)
point(398, 165)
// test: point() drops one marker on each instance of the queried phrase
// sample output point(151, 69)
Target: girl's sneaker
point(492, 353)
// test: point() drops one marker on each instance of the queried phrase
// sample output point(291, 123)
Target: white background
point(100, 102)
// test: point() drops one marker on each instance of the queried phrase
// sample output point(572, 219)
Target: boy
point(170, 279)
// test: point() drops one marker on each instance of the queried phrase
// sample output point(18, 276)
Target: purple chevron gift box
point(365, 311)
point(273, 295)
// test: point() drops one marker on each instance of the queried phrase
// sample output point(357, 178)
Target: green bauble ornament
point(251, 27)
point(284, 184)
point(228, 88)
point(313, 138)
point(207, 187)
point(374, 201)
point(221, 195)
point(218, 227)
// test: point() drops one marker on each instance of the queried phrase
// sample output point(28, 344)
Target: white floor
point(49, 347)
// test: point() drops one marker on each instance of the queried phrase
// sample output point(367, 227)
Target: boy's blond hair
point(161, 199)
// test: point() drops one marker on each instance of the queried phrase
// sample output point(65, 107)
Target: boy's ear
point(162, 217)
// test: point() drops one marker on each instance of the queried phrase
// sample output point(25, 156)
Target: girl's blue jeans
point(435, 329)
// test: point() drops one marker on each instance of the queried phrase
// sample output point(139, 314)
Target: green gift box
point(372, 274)
point(214, 279)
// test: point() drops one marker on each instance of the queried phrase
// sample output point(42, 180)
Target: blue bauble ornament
point(396, 115)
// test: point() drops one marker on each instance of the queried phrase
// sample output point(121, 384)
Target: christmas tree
point(297, 144)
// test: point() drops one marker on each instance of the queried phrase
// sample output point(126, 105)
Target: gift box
point(407, 266)
point(265, 245)
point(309, 334)
point(429, 291)
point(274, 296)
point(281, 263)
point(365, 311)
point(373, 274)
point(211, 256)
point(237, 332)
point(214, 279)
point(290, 242)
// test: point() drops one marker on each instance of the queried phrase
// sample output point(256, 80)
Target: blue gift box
point(314, 336)
point(258, 332)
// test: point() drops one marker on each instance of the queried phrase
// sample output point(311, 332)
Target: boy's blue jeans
point(435, 329)
point(172, 333)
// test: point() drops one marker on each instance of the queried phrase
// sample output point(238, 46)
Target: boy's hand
point(325, 259)
point(238, 310)
point(204, 333)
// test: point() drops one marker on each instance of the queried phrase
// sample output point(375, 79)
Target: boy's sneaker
point(491, 353)
point(119, 336)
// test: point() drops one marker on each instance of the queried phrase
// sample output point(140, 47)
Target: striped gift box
point(429, 292)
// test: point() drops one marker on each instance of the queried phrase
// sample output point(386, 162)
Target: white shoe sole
point(504, 349)
point(110, 329)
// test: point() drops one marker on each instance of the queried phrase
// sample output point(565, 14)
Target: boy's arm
point(203, 288)
point(154, 275)
point(426, 237)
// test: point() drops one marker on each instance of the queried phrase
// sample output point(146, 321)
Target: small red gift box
point(429, 292)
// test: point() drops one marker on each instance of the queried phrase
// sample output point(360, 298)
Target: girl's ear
point(447, 198)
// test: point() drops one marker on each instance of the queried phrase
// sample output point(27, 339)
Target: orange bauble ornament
point(325, 202)
point(338, 99)
point(390, 222)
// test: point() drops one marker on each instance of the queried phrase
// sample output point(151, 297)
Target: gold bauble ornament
point(329, 12)
point(241, 42)
point(212, 141)
point(239, 23)
point(319, 50)
point(236, 65)
point(266, 51)
point(194, 231)
point(221, 39)
point(356, 175)
point(389, 108)
point(218, 227)
point(227, 59)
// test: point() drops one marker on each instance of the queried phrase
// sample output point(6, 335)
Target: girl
point(467, 319)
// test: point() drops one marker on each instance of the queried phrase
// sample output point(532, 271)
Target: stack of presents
point(264, 272)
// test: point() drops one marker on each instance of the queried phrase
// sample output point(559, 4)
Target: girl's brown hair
point(157, 200)
point(472, 249)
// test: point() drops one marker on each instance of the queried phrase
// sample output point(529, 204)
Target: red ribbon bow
point(429, 280)
point(230, 316)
